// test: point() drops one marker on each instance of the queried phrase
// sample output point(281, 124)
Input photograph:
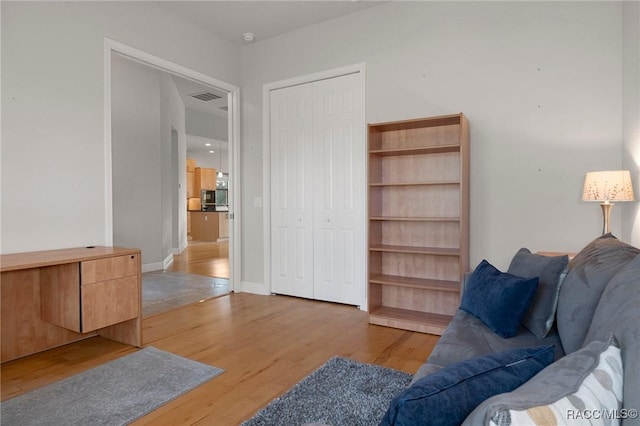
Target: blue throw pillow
point(448, 396)
point(500, 300)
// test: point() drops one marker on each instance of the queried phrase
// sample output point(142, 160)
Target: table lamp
point(607, 186)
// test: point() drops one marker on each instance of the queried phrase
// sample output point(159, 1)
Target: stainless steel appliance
point(222, 193)
point(222, 203)
point(214, 201)
point(208, 200)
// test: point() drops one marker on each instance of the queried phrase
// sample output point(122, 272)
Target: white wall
point(53, 152)
point(539, 82)
point(136, 157)
point(631, 117)
point(147, 202)
point(174, 168)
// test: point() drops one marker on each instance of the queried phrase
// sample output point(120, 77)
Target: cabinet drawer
point(109, 302)
point(109, 268)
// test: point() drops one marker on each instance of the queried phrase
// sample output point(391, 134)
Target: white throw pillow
point(598, 400)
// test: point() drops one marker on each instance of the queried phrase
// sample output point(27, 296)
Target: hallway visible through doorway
point(199, 273)
point(203, 258)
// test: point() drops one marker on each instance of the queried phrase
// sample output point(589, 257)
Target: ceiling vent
point(205, 96)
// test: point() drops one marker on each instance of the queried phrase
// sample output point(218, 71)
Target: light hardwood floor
point(203, 258)
point(266, 344)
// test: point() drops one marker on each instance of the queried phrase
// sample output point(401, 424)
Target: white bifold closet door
point(318, 190)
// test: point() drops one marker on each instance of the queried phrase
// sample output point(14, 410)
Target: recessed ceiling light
point(248, 37)
point(207, 144)
point(211, 152)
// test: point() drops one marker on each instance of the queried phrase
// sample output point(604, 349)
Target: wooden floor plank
point(203, 258)
point(266, 344)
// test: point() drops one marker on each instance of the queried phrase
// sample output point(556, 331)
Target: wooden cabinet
point(54, 297)
point(194, 204)
point(191, 178)
point(107, 293)
point(209, 226)
point(101, 293)
point(204, 226)
point(418, 221)
point(204, 178)
point(191, 165)
point(191, 185)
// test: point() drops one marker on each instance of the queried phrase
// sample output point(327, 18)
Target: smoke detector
point(248, 37)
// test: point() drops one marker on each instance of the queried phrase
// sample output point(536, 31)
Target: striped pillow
point(597, 401)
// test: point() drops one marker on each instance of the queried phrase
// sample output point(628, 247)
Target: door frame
point(266, 156)
point(233, 94)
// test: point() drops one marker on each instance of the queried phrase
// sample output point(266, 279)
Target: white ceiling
point(187, 88)
point(230, 19)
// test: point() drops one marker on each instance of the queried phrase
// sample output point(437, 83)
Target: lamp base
point(606, 214)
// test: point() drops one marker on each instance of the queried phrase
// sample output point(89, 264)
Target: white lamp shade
point(614, 185)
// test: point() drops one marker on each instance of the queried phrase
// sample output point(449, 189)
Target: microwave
point(212, 201)
point(207, 200)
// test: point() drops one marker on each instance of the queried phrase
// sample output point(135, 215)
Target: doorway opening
point(151, 192)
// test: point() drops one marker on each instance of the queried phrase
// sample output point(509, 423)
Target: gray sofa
point(598, 304)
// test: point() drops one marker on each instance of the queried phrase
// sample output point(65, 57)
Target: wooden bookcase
point(418, 221)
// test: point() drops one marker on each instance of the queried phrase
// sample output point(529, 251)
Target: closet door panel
point(291, 191)
point(339, 176)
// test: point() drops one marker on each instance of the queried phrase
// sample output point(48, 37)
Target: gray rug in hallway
point(342, 392)
point(165, 290)
point(115, 393)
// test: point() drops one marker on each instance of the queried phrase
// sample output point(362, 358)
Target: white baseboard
point(254, 288)
point(167, 261)
point(150, 267)
point(261, 289)
point(180, 249)
point(158, 266)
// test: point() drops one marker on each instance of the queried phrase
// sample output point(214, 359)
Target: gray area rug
point(115, 393)
point(342, 392)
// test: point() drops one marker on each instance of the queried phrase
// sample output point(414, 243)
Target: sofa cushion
point(447, 396)
point(589, 272)
point(467, 337)
point(567, 384)
point(549, 269)
point(619, 312)
point(499, 299)
point(424, 370)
